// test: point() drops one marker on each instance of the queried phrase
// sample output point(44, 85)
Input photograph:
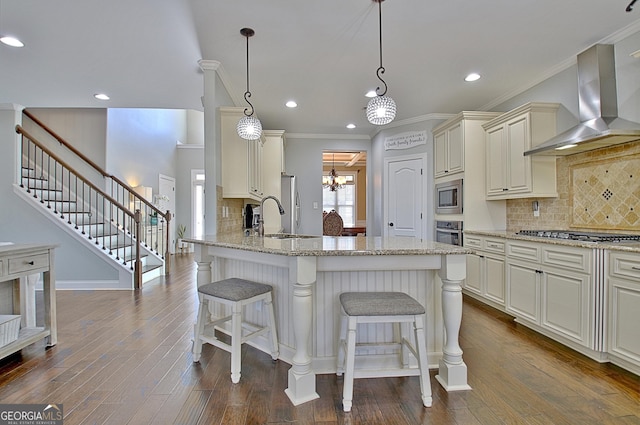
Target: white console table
point(20, 261)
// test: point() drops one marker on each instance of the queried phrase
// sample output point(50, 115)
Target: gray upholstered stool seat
point(382, 307)
point(235, 293)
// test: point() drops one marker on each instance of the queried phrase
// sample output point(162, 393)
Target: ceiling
point(322, 54)
point(344, 159)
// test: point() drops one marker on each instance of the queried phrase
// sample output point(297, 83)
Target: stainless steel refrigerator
point(291, 204)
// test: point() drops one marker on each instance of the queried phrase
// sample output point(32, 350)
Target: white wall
point(142, 144)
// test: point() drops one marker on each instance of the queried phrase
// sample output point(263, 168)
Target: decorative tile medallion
point(606, 194)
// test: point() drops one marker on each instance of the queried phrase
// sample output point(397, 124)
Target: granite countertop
point(305, 245)
point(629, 246)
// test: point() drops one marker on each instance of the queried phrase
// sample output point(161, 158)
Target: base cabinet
point(554, 289)
point(485, 270)
point(624, 310)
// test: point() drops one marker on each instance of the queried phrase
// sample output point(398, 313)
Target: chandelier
point(381, 109)
point(333, 181)
point(249, 127)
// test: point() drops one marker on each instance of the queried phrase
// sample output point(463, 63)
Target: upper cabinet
point(241, 165)
point(510, 174)
point(250, 169)
point(448, 145)
point(452, 138)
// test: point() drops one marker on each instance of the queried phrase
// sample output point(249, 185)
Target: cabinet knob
point(31, 263)
point(390, 224)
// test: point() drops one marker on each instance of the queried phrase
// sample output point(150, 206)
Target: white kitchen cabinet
point(451, 138)
point(623, 282)
point(459, 153)
point(485, 270)
point(510, 174)
point(448, 146)
point(241, 164)
point(556, 290)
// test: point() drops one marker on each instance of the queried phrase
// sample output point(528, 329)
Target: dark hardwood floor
point(124, 358)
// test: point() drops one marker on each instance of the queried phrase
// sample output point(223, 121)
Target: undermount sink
point(288, 236)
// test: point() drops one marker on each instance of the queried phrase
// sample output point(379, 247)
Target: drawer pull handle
point(635, 268)
point(31, 263)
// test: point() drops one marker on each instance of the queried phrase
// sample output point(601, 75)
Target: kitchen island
point(309, 272)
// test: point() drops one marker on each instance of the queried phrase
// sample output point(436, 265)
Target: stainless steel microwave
point(449, 197)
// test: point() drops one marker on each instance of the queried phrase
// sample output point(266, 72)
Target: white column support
point(211, 143)
point(452, 373)
point(302, 378)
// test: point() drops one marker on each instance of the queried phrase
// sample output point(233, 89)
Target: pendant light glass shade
point(249, 127)
point(381, 110)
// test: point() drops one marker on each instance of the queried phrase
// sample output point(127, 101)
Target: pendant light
point(381, 109)
point(249, 127)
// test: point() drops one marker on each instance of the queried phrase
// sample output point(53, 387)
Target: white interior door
point(404, 196)
point(167, 187)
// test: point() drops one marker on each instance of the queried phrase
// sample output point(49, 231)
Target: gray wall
point(303, 158)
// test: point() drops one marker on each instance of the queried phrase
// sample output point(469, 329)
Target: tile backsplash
point(234, 220)
point(597, 190)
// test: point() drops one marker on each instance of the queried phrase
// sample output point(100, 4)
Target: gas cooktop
point(579, 236)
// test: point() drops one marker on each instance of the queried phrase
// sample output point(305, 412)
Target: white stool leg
point(198, 329)
point(347, 390)
point(275, 348)
point(342, 342)
point(236, 341)
point(421, 349)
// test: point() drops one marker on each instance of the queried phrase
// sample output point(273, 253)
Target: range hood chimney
point(598, 104)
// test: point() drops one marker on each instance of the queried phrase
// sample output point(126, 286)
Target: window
point(197, 196)
point(343, 200)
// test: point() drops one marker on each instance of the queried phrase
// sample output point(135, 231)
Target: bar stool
point(235, 293)
point(382, 307)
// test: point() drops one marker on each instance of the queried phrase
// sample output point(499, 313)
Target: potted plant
point(180, 232)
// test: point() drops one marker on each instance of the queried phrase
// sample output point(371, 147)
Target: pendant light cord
point(247, 94)
point(380, 70)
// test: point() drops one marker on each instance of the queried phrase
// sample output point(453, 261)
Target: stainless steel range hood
point(599, 125)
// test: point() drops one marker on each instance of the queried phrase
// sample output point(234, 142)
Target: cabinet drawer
point(571, 258)
point(525, 251)
point(28, 262)
point(624, 265)
point(494, 245)
point(472, 242)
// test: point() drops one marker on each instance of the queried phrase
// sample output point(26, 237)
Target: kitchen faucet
point(261, 219)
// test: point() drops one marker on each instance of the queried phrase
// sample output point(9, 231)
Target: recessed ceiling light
point(351, 126)
point(291, 104)
point(11, 41)
point(101, 96)
point(472, 77)
point(371, 93)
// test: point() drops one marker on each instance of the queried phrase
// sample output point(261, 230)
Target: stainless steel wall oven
point(449, 232)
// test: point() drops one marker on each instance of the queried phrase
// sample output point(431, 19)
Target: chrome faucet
point(261, 219)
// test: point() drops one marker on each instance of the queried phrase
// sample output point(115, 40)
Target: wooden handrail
point(108, 197)
point(65, 143)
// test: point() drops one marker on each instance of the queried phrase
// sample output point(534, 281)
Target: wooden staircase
point(98, 214)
